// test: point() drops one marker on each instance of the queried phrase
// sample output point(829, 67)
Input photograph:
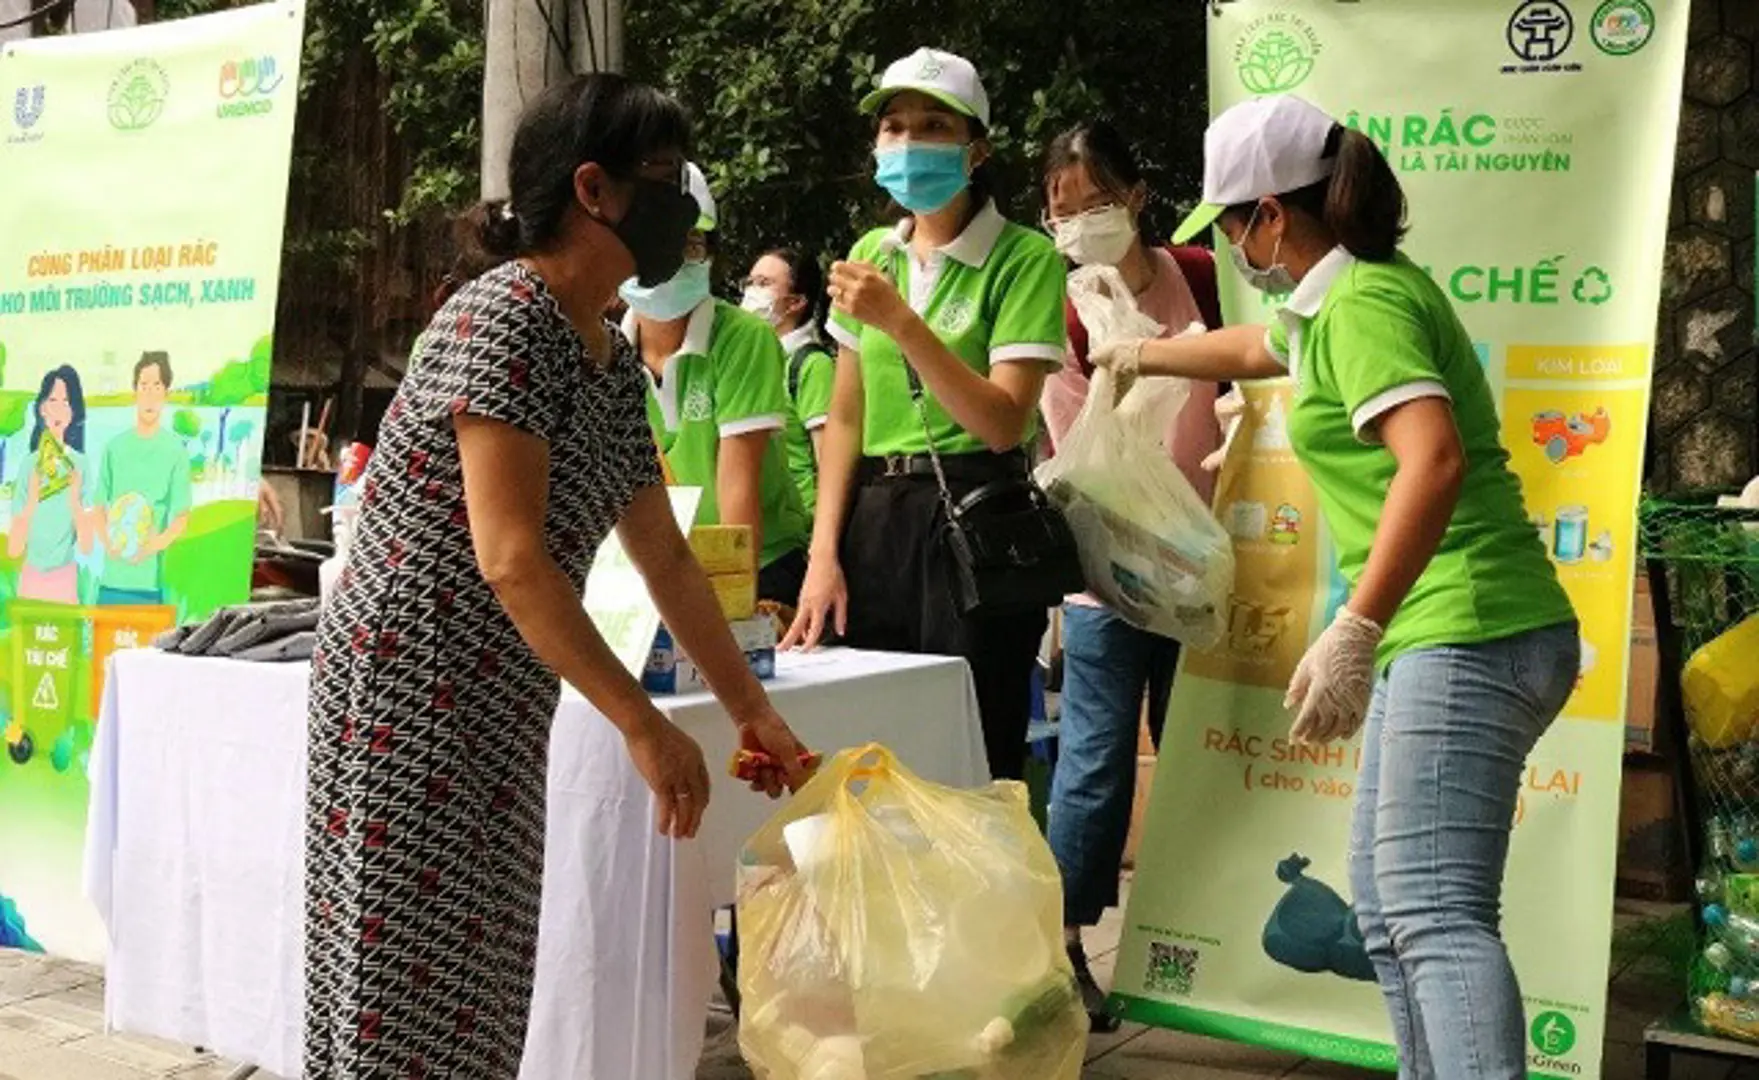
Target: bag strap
point(892, 250)
point(934, 455)
point(797, 364)
point(1078, 340)
point(1198, 266)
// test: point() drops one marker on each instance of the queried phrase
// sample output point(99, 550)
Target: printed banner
point(1535, 140)
point(140, 250)
point(616, 594)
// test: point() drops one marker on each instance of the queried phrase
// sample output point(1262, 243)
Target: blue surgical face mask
point(923, 176)
point(671, 299)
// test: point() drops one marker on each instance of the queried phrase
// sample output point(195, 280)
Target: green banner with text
point(140, 250)
point(1535, 140)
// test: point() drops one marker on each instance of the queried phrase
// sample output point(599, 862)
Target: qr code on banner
point(1171, 969)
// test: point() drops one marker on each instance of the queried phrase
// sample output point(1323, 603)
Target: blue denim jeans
point(1444, 747)
point(1108, 667)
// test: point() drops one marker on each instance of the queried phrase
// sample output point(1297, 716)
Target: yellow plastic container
point(737, 594)
point(723, 549)
point(1721, 687)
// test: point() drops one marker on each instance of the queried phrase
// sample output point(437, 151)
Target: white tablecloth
point(194, 855)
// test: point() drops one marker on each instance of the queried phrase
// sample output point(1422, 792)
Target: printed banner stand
point(617, 596)
point(137, 307)
point(1535, 140)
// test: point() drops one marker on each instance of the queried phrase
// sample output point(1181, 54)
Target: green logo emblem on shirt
point(955, 316)
point(698, 406)
point(137, 97)
point(1276, 53)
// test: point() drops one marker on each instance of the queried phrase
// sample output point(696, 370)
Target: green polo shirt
point(143, 484)
point(994, 295)
point(809, 392)
point(1360, 339)
point(727, 379)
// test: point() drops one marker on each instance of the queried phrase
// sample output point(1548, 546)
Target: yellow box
point(723, 549)
point(737, 594)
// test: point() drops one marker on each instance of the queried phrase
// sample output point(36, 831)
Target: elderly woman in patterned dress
point(518, 440)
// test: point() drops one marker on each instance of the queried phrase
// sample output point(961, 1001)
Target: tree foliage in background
point(429, 54)
point(773, 85)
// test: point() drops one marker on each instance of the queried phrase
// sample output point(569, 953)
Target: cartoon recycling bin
point(118, 628)
point(46, 659)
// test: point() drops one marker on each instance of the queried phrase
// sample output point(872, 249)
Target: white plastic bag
point(1151, 549)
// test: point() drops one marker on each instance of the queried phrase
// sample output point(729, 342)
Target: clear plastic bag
point(1151, 549)
point(893, 929)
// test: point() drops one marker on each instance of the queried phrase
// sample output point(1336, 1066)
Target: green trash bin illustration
point(47, 656)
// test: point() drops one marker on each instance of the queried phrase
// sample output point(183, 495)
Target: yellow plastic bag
point(893, 929)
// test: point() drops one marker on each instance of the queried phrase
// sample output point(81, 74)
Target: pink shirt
point(1193, 434)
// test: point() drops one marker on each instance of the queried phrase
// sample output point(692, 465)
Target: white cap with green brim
point(949, 79)
point(697, 185)
point(1267, 146)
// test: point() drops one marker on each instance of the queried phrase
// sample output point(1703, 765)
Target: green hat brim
point(874, 102)
point(1197, 221)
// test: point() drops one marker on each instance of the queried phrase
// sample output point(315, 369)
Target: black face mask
point(654, 229)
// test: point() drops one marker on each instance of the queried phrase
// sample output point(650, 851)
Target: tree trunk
point(526, 53)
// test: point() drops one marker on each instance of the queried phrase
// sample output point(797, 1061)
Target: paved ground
point(51, 1028)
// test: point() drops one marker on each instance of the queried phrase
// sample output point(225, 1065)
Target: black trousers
point(899, 601)
point(780, 581)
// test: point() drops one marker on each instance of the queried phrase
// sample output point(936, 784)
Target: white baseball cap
point(697, 185)
point(949, 79)
point(1267, 146)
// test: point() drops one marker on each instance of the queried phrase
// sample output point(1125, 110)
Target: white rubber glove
point(1228, 409)
point(1120, 357)
point(1335, 680)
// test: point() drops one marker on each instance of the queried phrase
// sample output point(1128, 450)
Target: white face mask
point(762, 303)
point(1098, 237)
point(1274, 279)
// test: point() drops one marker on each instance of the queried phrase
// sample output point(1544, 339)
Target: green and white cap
point(949, 79)
point(1267, 146)
point(697, 185)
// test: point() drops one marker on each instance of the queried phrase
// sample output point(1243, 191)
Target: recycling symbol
point(1593, 287)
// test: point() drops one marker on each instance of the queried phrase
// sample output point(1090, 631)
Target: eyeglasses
point(1050, 223)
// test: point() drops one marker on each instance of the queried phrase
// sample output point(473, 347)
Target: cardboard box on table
point(669, 671)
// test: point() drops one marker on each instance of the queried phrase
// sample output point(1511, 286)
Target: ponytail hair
point(1360, 203)
point(1364, 204)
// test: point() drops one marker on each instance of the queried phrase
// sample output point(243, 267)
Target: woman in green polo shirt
point(1457, 644)
point(784, 289)
point(972, 304)
point(717, 404)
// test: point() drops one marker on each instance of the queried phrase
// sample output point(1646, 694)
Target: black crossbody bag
point(1008, 548)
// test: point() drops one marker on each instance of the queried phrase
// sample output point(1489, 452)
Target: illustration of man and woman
point(138, 506)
